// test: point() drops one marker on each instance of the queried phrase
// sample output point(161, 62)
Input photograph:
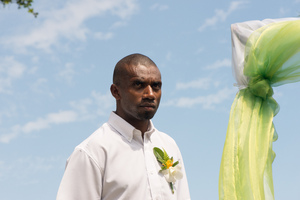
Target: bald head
point(130, 60)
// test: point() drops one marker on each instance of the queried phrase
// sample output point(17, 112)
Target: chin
point(147, 115)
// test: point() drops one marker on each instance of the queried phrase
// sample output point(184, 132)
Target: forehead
point(150, 72)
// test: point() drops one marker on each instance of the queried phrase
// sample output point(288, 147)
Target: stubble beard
point(147, 115)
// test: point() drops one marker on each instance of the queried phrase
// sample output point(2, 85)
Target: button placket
point(151, 170)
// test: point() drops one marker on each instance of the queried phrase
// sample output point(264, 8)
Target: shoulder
point(95, 146)
point(96, 138)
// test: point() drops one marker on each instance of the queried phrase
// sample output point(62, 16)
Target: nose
point(148, 93)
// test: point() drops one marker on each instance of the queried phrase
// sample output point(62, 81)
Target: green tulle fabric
point(272, 58)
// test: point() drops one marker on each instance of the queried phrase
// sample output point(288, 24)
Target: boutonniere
point(170, 169)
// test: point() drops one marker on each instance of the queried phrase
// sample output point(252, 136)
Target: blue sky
point(56, 70)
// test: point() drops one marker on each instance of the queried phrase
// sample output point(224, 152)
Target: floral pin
point(170, 170)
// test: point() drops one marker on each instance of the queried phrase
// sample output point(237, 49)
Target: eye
point(156, 85)
point(137, 83)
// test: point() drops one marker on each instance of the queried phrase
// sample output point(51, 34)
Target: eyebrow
point(134, 79)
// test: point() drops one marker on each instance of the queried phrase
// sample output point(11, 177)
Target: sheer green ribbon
point(272, 58)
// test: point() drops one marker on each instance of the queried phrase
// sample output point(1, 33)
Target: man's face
point(140, 92)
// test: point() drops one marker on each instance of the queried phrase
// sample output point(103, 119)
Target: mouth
point(148, 106)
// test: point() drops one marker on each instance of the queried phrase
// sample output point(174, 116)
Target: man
point(117, 160)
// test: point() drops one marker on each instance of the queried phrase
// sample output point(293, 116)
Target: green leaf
point(176, 163)
point(159, 154)
point(166, 157)
point(21, 4)
point(163, 168)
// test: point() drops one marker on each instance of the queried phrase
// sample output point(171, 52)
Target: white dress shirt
point(115, 162)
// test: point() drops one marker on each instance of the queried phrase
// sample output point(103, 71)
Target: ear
point(114, 89)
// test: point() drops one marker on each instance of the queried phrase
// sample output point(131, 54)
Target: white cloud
point(33, 70)
point(68, 23)
point(35, 59)
point(219, 64)
point(207, 102)
point(96, 105)
point(60, 117)
point(24, 169)
point(39, 82)
point(8, 111)
point(159, 7)
point(82, 106)
point(10, 70)
point(202, 83)
point(67, 73)
point(199, 50)
point(221, 15)
point(103, 36)
point(41, 86)
point(103, 102)
point(118, 24)
point(85, 109)
point(6, 138)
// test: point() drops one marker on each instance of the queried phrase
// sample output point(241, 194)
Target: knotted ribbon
point(260, 87)
point(272, 58)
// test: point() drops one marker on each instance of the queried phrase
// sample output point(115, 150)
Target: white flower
point(172, 173)
point(170, 169)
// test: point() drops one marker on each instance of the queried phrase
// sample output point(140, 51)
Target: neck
point(141, 125)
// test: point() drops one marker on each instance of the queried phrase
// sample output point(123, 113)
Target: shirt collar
point(126, 129)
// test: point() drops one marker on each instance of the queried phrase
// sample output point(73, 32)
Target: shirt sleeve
point(82, 178)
